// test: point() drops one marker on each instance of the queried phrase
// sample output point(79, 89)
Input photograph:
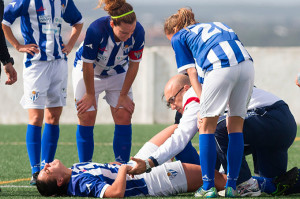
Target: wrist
point(153, 162)
point(148, 167)
point(9, 60)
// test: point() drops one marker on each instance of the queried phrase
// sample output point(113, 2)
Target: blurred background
point(270, 30)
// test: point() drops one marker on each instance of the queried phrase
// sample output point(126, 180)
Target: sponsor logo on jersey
point(171, 174)
point(45, 18)
point(58, 20)
point(89, 46)
point(34, 96)
point(41, 9)
point(13, 4)
point(102, 57)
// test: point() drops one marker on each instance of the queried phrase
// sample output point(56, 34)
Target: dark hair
point(117, 8)
point(50, 188)
point(183, 18)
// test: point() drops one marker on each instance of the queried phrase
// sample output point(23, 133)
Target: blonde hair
point(183, 18)
point(117, 8)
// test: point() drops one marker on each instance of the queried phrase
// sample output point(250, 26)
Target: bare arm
point(117, 189)
point(76, 29)
point(124, 100)
point(192, 72)
point(29, 48)
point(88, 99)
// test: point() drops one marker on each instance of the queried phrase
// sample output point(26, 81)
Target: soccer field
point(15, 168)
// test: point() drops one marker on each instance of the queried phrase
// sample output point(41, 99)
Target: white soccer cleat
point(249, 188)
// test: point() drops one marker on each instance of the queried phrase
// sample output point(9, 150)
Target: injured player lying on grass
point(112, 180)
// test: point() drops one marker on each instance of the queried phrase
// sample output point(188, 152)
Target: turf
point(15, 168)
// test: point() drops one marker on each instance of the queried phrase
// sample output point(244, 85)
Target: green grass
point(14, 163)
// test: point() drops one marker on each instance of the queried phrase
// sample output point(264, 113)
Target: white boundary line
point(16, 186)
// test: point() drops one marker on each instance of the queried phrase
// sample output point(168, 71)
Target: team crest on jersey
point(138, 54)
point(34, 96)
point(171, 174)
point(126, 49)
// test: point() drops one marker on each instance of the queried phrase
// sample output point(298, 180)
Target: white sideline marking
point(15, 186)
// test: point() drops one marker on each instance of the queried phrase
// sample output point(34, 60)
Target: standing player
point(45, 71)
point(108, 61)
point(5, 58)
point(212, 51)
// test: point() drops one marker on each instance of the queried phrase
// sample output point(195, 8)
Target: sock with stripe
point(85, 143)
point(33, 144)
point(122, 142)
point(49, 143)
point(234, 158)
point(208, 155)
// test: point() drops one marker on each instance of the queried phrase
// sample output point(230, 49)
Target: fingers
point(81, 107)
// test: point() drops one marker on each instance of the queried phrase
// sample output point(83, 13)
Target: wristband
point(154, 161)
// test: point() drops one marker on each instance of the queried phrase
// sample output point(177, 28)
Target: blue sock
point(208, 155)
point(188, 155)
point(33, 143)
point(265, 184)
point(85, 143)
point(234, 158)
point(122, 142)
point(49, 143)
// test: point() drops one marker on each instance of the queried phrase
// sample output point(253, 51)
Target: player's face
point(174, 99)
point(52, 170)
point(123, 31)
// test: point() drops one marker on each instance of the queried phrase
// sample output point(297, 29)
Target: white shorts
point(165, 180)
point(45, 84)
point(112, 85)
point(231, 86)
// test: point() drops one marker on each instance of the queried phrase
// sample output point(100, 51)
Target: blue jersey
point(41, 22)
point(92, 179)
point(108, 56)
point(207, 46)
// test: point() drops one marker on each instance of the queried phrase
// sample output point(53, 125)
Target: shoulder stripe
point(196, 99)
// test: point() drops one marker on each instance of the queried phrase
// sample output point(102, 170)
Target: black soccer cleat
point(34, 178)
point(285, 181)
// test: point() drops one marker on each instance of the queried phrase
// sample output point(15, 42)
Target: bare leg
point(194, 181)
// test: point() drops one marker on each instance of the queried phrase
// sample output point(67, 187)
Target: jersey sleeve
point(91, 186)
point(136, 53)
point(90, 45)
point(72, 14)
point(186, 130)
point(14, 10)
point(184, 57)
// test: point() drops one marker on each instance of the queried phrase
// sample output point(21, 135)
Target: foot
point(34, 178)
point(211, 193)
point(285, 181)
point(249, 188)
point(231, 193)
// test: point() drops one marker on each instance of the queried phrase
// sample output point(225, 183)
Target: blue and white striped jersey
point(207, 46)
point(92, 179)
point(110, 57)
point(41, 22)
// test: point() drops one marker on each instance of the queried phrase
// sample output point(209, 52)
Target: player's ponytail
point(119, 10)
point(183, 18)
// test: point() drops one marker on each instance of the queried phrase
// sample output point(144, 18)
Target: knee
point(122, 117)
point(52, 118)
point(87, 119)
point(36, 120)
